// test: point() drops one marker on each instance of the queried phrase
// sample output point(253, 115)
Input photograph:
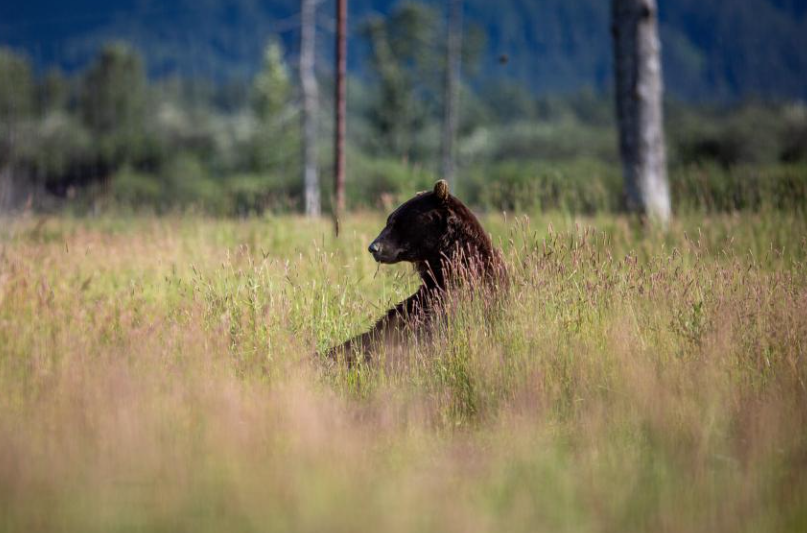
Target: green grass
point(156, 375)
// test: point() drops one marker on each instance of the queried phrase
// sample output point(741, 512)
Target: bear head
point(418, 229)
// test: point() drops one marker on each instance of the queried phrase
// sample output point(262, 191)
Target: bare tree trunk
point(452, 86)
point(308, 84)
point(6, 190)
point(341, 109)
point(639, 89)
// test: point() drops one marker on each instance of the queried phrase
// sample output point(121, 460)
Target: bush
point(749, 135)
point(376, 183)
point(583, 186)
point(133, 190)
point(182, 183)
point(188, 185)
point(248, 194)
point(713, 188)
point(563, 142)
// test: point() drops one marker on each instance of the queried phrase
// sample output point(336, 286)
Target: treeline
point(718, 50)
point(109, 133)
point(111, 137)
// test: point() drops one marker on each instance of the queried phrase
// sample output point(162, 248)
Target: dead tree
point(639, 89)
point(7, 190)
point(452, 87)
point(341, 110)
point(308, 85)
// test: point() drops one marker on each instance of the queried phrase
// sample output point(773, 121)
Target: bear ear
point(441, 189)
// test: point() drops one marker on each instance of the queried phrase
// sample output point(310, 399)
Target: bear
point(447, 244)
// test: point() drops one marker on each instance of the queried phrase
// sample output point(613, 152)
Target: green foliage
point(745, 188)
point(276, 145)
point(562, 141)
point(132, 189)
point(184, 184)
point(272, 86)
point(113, 104)
point(381, 183)
point(404, 58)
point(580, 187)
point(407, 60)
point(61, 144)
point(233, 149)
point(712, 50)
point(750, 134)
point(249, 194)
point(54, 92)
point(794, 144)
point(188, 184)
point(16, 86)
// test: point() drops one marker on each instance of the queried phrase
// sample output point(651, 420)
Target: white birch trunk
point(308, 85)
point(639, 92)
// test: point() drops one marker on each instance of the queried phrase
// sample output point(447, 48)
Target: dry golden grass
point(155, 375)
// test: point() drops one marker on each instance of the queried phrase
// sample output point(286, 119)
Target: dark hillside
point(716, 50)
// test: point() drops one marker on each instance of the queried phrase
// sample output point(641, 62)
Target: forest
point(125, 131)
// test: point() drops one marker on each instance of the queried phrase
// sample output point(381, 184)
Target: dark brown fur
point(446, 243)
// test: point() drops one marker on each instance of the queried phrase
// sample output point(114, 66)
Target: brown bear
point(446, 243)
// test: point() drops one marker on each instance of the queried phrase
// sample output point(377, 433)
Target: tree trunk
point(308, 85)
point(639, 89)
point(341, 110)
point(6, 190)
point(452, 86)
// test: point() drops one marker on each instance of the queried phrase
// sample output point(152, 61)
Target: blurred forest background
point(174, 105)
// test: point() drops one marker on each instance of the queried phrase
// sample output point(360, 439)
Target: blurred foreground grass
point(154, 376)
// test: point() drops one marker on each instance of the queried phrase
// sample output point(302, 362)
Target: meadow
point(158, 374)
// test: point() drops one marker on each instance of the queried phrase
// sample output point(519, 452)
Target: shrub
point(712, 188)
point(133, 190)
point(255, 193)
point(188, 185)
point(375, 183)
point(749, 135)
point(582, 186)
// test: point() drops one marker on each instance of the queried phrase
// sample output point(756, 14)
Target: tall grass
point(157, 374)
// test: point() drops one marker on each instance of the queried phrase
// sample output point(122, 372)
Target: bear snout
point(383, 251)
point(380, 252)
